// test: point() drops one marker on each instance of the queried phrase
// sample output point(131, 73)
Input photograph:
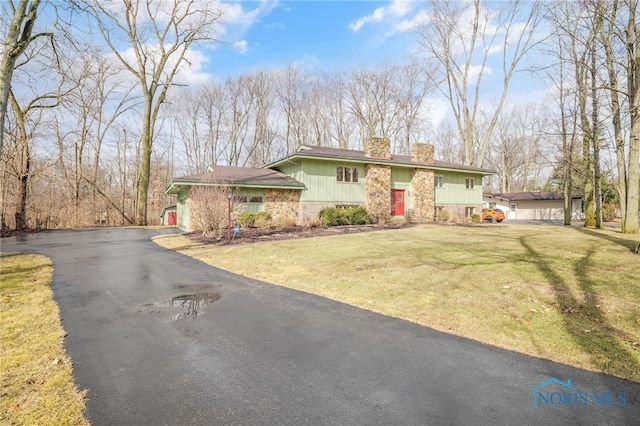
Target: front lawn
point(567, 294)
point(36, 374)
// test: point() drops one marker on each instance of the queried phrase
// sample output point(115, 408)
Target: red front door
point(397, 202)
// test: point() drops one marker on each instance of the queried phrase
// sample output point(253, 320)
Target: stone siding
point(377, 147)
point(422, 153)
point(378, 192)
point(423, 193)
point(282, 204)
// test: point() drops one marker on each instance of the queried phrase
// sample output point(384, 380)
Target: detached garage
point(535, 205)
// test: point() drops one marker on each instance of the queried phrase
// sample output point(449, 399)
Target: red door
point(397, 202)
point(173, 218)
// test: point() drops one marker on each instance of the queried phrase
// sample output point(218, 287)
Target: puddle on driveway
point(191, 304)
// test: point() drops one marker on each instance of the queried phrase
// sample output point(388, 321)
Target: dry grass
point(36, 374)
point(566, 294)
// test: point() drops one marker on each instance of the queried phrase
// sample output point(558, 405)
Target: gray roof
point(238, 176)
point(356, 155)
point(532, 196)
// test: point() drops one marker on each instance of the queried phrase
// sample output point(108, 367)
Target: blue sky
point(319, 34)
point(326, 35)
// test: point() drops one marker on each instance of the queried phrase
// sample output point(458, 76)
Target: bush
point(208, 207)
point(475, 218)
point(359, 216)
point(332, 216)
point(262, 220)
point(609, 212)
point(283, 222)
point(246, 219)
point(443, 216)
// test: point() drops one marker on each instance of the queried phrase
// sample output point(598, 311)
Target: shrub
point(208, 210)
point(262, 220)
point(283, 222)
point(312, 222)
point(246, 219)
point(443, 216)
point(475, 218)
point(359, 216)
point(332, 216)
point(609, 212)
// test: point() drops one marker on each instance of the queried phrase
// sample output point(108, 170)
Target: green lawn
point(567, 294)
point(35, 372)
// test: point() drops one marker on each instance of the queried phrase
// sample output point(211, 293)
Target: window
point(512, 207)
point(255, 199)
point(492, 205)
point(241, 199)
point(470, 183)
point(468, 211)
point(347, 174)
point(439, 181)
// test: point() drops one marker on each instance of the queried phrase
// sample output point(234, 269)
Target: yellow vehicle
point(492, 215)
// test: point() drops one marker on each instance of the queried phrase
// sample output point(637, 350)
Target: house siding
point(319, 179)
point(249, 207)
point(455, 191)
point(182, 207)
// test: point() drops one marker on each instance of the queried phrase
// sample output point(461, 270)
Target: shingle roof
point(339, 153)
point(531, 196)
point(242, 175)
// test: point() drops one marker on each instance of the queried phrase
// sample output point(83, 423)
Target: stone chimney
point(377, 147)
point(422, 153)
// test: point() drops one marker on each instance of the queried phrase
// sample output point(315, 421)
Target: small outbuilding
point(169, 216)
point(534, 205)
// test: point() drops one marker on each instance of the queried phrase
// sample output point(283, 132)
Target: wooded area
point(96, 126)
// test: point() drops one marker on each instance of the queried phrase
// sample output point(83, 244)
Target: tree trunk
point(146, 141)
point(633, 182)
point(17, 39)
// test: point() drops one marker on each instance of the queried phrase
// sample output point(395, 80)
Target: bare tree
point(372, 100)
point(517, 152)
point(460, 37)
point(209, 210)
point(88, 115)
point(160, 35)
point(623, 35)
point(342, 124)
point(15, 43)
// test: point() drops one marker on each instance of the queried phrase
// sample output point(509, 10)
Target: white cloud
point(189, 72)
point(476, 70)
point(308, 62)
point(241, 46)
point(393, 11)
point(409, 24)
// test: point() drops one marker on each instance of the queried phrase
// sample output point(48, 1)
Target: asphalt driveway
point(160, 338)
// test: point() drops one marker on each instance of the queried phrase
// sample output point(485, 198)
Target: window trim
point(470, 183)
point(347, 174)
point(469, 211)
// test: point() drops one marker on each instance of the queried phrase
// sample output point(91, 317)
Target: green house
point(297, 187)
